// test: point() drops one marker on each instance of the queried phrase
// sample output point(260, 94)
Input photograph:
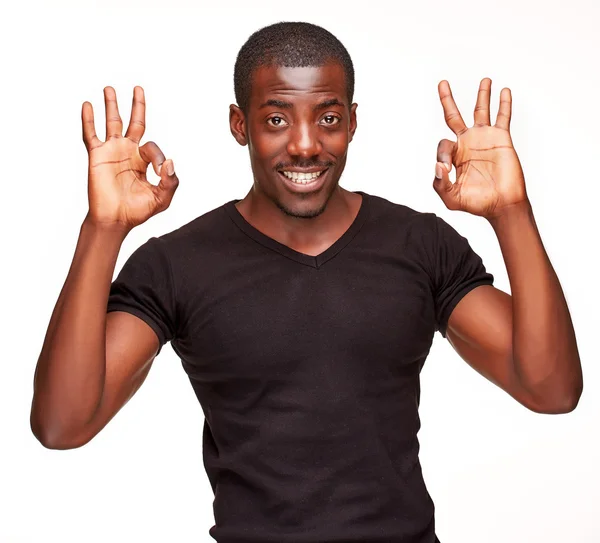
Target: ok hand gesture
point(489, 177)
point(119, 193)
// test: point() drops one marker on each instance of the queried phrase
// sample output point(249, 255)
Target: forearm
point(70, 372)
point(545, 350)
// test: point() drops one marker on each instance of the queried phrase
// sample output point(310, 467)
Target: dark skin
point(532, 355)
point(92, 363)
point(524, 343)
point(298, 119)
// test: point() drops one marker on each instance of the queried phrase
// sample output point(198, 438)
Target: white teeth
point(301, 178)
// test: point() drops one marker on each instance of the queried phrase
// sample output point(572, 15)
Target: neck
point(304, 235)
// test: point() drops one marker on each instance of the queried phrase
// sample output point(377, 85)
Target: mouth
point(303, 181)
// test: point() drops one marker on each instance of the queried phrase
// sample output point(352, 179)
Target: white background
point(497, 472)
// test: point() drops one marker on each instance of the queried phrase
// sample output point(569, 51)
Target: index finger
point(137, 122)
point(451, 114)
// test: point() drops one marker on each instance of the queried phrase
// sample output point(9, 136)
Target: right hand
point(119, 193)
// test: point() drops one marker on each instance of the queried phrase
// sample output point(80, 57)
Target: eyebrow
point(287, 105)
point(276, 103)
point(328, 103)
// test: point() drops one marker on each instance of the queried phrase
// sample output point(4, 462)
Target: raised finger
point(482, 107)
point(114, 124)
point(451, 114)
point(88, 128)
point(137, 122)
point(151, 153)
point(505, 109)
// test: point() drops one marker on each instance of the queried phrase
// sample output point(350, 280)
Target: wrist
point(511, 214)
point(113, 229)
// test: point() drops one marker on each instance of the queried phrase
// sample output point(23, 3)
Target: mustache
point(303, 165)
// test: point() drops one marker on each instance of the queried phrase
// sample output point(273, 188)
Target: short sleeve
point(144, 287)
point(457, 270)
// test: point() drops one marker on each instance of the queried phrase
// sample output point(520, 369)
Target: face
point(297, 128)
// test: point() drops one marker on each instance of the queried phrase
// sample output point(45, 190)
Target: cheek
point(266, 146)
point(337, 143)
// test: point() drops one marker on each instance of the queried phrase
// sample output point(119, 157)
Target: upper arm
point(480, 331)
point(131, 346)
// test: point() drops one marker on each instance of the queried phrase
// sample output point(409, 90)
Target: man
point(303, 314)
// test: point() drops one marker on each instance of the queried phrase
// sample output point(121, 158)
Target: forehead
point(304, 82)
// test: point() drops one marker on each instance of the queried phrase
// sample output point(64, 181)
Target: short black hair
point(289, 44)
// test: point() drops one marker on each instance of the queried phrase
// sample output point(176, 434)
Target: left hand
point(489, 177)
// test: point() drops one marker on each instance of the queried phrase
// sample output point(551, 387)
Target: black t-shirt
point(307, 368)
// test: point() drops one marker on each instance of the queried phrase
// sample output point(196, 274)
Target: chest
point(269, 315)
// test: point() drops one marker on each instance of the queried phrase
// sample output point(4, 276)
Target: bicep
point(480, 331)
point(131, 346)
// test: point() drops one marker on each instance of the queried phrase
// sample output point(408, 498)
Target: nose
point(304, 141)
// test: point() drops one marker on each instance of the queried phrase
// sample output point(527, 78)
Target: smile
point(303, 181)
point(302, 178)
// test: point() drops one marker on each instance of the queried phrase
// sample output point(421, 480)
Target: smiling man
point(303, 313)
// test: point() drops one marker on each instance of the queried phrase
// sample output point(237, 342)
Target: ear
point(237, 124)
point(352, 127)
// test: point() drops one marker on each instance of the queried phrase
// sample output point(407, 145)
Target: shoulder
point(211, 224)
point(426, 226)
point(385, 215)
point(202, 247)
point(383, 208)
point(206, 235)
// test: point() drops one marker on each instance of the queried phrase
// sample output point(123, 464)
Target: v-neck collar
point(288, 252)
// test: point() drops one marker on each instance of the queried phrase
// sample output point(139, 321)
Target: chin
point(304, 213)
point(305, 206)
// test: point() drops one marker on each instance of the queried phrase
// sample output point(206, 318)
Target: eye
point(331, 120)
point(276, 121)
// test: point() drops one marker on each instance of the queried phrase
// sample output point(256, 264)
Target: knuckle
point(152, 147)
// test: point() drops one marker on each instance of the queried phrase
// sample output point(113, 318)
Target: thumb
point(168, 183)
point(444, 187)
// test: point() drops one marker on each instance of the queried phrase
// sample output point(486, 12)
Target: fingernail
point(170, 168)
point(448, 166)
point(438, 171)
